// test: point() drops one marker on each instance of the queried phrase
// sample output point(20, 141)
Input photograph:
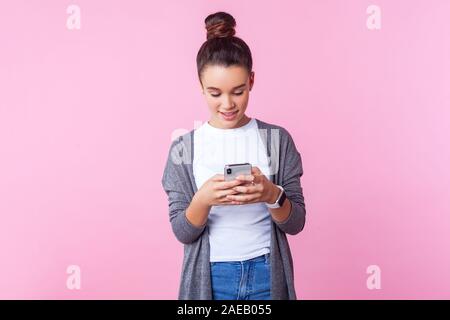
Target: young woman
point(234, 231)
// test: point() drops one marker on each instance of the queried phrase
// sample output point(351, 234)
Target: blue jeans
point(242, 280)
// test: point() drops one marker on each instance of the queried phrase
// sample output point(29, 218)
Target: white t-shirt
point(236, 232)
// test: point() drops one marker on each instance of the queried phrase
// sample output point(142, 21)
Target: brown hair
point(221, 46)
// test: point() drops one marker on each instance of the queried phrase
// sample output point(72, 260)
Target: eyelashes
point(236, 94)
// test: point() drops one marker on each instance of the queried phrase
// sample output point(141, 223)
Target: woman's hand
point(215, 190)
point(256, 188)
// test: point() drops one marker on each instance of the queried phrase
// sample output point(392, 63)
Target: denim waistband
point(264, 257)
point(261, 258)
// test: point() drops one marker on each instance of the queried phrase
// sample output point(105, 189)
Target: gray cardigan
point(179, 184)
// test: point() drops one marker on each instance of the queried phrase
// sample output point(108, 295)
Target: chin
point(232, 123)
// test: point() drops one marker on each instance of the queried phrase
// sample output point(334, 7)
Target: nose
point(228, 104)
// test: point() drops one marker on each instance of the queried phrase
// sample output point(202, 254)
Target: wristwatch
point(280, 200)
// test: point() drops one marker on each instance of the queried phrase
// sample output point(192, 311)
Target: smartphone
point(231, 171)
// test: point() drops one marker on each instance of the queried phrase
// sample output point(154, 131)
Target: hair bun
point(220, 25)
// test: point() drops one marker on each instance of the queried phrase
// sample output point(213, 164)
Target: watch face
point(282, 198)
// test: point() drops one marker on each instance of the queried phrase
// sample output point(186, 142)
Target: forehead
point(224, 78)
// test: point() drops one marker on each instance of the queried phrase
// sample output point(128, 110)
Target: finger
point(225, 201)
point(248, 189)
point(256, 171)
point(244, 198)
point(230, 202)
point(228, 184)
point(218, 177)
point(252, 180)
point(246, 202)
point(224, 193)
point(247, 177)
point(259, 178)
point(250, 184)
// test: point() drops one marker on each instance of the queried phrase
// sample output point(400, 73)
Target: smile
point(228, 115)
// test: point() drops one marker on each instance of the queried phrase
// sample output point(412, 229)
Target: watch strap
point(280, 200)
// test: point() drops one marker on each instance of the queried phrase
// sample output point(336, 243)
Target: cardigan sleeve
point(173, 184)
point(292, 171)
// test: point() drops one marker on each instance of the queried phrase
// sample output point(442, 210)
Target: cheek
point(212, 103)
point(242, 100)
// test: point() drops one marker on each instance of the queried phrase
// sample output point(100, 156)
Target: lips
point(228, 115)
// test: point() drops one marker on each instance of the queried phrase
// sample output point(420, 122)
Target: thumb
point(256, 171)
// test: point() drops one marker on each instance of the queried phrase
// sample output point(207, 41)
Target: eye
point(236, 93)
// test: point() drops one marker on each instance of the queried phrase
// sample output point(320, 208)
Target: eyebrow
point(241, 85)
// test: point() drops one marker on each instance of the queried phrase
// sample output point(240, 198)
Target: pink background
point(86, 119)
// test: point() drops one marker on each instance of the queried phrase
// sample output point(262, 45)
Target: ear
point(252, 80)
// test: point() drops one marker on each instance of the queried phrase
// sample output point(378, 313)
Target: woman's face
point(226, 90)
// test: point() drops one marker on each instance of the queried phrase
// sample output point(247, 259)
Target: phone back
point(231, 171)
